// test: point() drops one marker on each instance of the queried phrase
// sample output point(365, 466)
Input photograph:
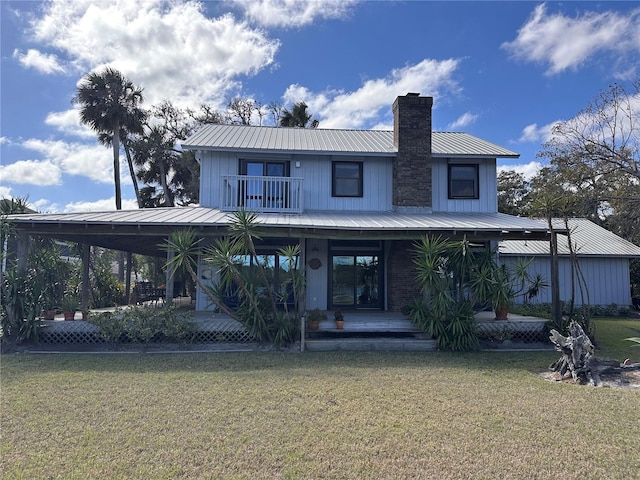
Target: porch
point(363, 330)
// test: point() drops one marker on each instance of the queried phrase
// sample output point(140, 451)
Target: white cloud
point(43, 205)
point(464, 120)
point(363, 107)
point(565, 43)
point(42, 62)
point(529, 170)
point(31, 172)
point(104, 205)
point(293, 13)
point(68, 122)
point(92, 161)
point(169, 47)
point(534, 133)
point(5, 192)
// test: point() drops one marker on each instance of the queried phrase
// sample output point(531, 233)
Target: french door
point(259, 193)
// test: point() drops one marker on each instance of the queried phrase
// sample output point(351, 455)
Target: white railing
point(261, 194)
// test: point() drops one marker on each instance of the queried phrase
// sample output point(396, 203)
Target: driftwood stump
point(578, 357)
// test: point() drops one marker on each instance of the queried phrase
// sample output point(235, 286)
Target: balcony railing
point(261, 194)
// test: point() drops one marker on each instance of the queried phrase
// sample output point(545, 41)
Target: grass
point(610, 334)
point(314, 415)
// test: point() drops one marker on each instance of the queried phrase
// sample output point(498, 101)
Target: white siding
point(607, 280)
point(316, 174)
point(488, 184)
point(212, 166)
point(376, 186)
point(317, 283)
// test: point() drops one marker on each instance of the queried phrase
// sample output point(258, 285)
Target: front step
point(370, 344)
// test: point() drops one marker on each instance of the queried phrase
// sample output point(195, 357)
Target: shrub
point(112, 325)
point(144, 324)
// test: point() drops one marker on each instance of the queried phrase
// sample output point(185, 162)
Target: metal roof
point(326, 141)
point(143, 230)
point(589, 240)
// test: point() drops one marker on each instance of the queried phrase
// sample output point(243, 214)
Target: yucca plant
point(256, 301)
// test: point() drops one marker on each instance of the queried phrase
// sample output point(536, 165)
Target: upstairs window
point(346, 179)
point(463, 181)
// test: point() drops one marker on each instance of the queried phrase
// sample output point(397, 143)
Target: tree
point(297, 117)
point(155, 156)
point(242, 109)
point(594, 162)
point(605, 136)
point(513, 193)
point(171, 175)
point(274, 109)
point(109, 104)
point(596, 157)
point(33, 280)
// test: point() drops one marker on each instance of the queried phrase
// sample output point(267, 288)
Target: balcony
point(261, 193)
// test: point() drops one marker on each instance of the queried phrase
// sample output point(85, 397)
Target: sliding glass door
point(355, 281)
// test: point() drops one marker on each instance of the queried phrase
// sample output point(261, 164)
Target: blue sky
point(503, 71)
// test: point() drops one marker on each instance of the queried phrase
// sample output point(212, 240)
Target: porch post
point(556, 307)
point(84, 301)
point(127, 280)
point(302, 295)
point(22, 250)
point(169, 278)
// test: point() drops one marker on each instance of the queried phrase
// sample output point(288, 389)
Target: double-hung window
point(463, 181)
point(346, 179)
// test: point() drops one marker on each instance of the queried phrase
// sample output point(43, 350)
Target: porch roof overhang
point(144, 231)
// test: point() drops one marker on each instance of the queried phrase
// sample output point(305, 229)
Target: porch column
point(302, 264)
point(22, 250)
point(84, 301)
point(302, 296)
point(169, 278)
point(127, 280)
point(556, 306)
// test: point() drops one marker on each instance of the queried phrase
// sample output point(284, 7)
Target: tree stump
point(578, 357)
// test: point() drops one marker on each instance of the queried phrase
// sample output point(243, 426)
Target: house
point(602, 274)
point(354, 200)
point(357, 200)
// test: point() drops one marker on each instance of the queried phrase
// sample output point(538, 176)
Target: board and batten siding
point(377, 175)
point(488, 184)
point(212, 166)
point(607, 279)
point(316, 172)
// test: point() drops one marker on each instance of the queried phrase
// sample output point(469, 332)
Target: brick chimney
point(412, 166)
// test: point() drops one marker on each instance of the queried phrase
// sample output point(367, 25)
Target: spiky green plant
point(257, 307)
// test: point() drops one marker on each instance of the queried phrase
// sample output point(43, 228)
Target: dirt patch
point(626, 380)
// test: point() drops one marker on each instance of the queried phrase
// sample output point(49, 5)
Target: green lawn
point(313, 415)
point(610, 334)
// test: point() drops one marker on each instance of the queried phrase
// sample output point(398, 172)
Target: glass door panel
point(274, 190)
point(254, 189)
point(262, 193)
point(343, 277)
point(367, 280)
point(356, 281)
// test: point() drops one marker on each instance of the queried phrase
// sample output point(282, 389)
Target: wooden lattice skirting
point(84, 333)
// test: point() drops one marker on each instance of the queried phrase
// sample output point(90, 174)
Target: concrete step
point(368, 344)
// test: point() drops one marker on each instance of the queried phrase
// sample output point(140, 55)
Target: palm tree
point(109, 104)
point(297, 117)
point(155, 156)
